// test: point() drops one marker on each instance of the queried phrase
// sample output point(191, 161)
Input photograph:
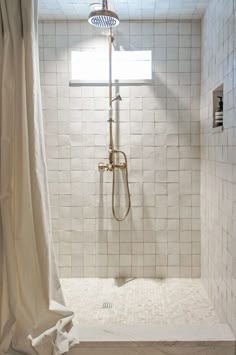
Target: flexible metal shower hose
point(119, 219)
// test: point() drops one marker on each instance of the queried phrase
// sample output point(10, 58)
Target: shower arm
point(104, 5)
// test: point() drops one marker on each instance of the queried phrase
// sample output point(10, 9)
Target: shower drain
point(107, 305)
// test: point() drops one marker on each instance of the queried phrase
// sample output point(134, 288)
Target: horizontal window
point(126, 65)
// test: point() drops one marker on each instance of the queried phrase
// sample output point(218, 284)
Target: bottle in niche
point(219, 113)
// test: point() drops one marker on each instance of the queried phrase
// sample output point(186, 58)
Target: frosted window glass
point(127, 65)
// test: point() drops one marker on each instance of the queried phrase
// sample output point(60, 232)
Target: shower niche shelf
point(218, 111)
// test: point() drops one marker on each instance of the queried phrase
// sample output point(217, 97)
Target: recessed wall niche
point(218, 106)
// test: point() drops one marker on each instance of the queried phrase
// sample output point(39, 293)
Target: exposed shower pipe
point(104, 5)
point(105, 18)
point(111, 166)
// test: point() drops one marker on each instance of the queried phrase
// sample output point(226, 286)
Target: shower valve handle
point(102, 166)
point(110, 167)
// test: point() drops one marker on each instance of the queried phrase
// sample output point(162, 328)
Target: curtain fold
point(33, 317)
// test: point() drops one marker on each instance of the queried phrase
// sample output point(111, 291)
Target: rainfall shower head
point(103, 18)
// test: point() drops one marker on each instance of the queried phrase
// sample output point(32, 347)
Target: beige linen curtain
point(33, 318)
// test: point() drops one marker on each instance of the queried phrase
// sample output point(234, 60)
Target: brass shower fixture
point(105, 18)
point(111, 165)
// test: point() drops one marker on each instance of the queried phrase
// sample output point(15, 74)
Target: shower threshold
point(145, 317)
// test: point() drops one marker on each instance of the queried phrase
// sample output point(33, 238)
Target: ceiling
point(126, 9)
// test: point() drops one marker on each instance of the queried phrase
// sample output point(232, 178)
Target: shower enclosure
point(137, 279)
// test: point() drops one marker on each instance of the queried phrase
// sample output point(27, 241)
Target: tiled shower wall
point(218, 153)
point(156, 125)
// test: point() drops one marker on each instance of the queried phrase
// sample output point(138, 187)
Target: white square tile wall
point(157, 126)
point(218, 159)
point(150, 10)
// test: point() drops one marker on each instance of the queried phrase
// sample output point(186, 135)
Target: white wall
point(218, 158)
point(158, 128)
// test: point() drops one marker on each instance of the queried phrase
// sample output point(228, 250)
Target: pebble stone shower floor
point(145, 301)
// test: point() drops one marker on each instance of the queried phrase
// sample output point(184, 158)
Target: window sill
point(114, 83)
